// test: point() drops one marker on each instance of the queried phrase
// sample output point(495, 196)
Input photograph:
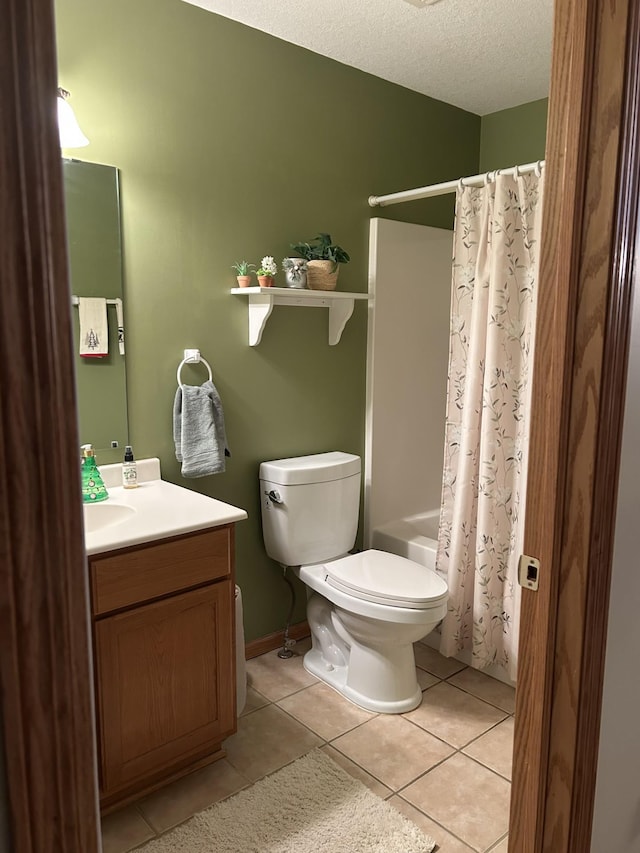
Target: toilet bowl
point(363, 636)
point(365, 610)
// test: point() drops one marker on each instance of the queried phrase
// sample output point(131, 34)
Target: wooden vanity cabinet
point(164, 653)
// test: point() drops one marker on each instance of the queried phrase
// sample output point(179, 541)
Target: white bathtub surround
point(415, 537)
point(407, 353)
point(493, 309)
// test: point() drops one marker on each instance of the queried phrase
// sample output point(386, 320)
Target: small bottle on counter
point(129, 471)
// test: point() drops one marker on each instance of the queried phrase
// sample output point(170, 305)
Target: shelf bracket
point(260, 308)
point(339, 313)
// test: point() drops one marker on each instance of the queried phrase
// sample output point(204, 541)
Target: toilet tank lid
point(317, 468)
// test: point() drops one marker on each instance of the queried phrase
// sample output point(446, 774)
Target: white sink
point(101, 515)
point(155, 510)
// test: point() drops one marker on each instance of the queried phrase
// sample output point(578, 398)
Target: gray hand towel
point(198, 430)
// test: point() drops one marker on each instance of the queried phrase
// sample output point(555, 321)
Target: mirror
point(92, 204)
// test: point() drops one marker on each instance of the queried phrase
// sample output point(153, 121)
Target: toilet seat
point(387, 579)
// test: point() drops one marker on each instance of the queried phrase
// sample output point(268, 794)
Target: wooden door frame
point(45, 677)
point(586, 281)
point(586, 277)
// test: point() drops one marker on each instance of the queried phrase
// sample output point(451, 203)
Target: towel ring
point(193, 360)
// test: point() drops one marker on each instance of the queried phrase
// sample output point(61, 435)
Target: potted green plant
point(243, 272)
point(268, 268)
point(323, 259)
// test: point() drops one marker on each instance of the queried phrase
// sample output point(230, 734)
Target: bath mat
point(310, 806)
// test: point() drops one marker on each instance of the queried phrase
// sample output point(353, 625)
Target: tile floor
point(446, 766)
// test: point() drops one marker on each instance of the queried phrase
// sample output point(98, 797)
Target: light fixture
point(70, 134)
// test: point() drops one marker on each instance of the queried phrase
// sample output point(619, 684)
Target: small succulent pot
point(244, 280)
point(265, 280)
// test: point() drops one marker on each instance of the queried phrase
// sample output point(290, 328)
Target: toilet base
point(336, 676)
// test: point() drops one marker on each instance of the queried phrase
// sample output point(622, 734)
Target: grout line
point(486, 767)
point(437, 737)
point(332, 743)
point(499, 841)
point(456, 750)
point(156, 832)
point(447, 829)
point(490, 729)
point(481, 698)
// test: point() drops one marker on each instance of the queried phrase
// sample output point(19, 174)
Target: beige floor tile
point(358, 773)
point(466, 798)
point(276, 678)
point(324, 711)
point(446, 843)
point(495, 749)
point(180, 799)
point(453, 715)
point(425, 679)
point(484, 687)
point(392, 749)
point(435, 663)
point(123, 830)
point(254, 701)
point(502, 847)
point(266, 740)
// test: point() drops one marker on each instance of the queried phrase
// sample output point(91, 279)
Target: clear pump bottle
point(129, 470)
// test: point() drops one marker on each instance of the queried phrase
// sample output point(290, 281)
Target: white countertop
point(160, 510)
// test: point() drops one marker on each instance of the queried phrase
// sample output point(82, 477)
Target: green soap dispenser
point(93, 488)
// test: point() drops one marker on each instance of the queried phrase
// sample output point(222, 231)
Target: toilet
point(365, 610)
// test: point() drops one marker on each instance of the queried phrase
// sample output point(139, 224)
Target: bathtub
point(415, 537)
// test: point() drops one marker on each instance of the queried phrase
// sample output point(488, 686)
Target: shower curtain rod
point(450, 186)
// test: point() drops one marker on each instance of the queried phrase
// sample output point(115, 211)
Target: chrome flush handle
point(274, 496)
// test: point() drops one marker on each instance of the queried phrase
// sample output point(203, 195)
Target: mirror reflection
point(92, 201)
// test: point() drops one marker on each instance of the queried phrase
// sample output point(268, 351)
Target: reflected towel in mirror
point(94, 331)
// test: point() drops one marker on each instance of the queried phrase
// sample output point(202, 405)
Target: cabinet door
point(165, 684)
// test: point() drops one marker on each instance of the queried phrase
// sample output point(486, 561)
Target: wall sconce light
point(70, 134)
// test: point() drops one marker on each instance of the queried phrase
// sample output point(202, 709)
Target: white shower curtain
point(493, 309)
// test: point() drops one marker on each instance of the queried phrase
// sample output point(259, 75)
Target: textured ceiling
point(481, 55)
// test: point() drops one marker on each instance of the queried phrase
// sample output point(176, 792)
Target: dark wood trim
point(591, 199)
point(609, 439)
point(565, 168)
point(45, 674)
point(274, 641)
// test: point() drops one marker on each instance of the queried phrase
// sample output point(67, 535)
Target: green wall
point(232, 144)
point(514, 136)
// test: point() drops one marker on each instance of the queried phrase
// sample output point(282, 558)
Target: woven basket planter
point(322, 275)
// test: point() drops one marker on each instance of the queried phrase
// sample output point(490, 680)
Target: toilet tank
point(310, 507)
